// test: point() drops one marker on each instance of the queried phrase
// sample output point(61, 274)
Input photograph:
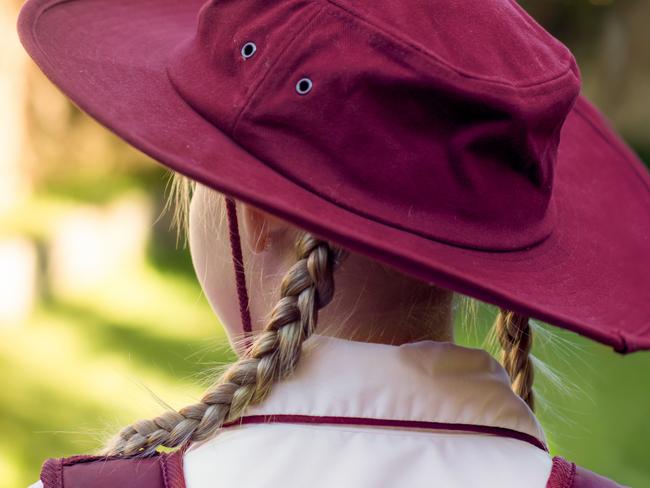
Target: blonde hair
point(516, 338)
point(274, 353)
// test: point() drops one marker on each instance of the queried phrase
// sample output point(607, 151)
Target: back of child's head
point(300, 295)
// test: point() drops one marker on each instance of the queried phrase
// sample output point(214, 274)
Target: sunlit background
point(99, 309)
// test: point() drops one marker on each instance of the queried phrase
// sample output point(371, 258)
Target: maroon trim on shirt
point(422, 424)
point(565, 474)
point(171, 465)
point(96, 471)
point(562, 474)
point(52, 473)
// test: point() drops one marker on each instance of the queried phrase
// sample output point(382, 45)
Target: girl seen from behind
point(352, 166)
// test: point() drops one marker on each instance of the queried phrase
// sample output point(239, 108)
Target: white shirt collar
point(421, 381)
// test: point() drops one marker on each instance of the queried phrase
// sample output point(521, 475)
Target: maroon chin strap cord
point(240, 276)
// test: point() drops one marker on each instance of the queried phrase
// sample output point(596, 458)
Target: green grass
point(85, 365)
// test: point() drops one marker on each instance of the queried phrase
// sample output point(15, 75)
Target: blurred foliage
point(611, 41)
point(85, 364)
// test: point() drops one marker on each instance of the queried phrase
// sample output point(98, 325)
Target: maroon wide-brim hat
point(446, 139)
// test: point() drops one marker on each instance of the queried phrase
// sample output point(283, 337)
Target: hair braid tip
point(515, 336)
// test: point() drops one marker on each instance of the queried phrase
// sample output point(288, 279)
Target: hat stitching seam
point(279, 57)
point(47, 7)
point(441, 62)
point(533, 24)
point(36, 17)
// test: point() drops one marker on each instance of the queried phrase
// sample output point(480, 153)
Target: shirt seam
point(432, 58)
point(432, 426)
point(379, 430)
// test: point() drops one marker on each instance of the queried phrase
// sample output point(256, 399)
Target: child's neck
point(375, 304)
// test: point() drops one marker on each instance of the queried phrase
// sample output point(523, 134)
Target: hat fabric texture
point(445, 139)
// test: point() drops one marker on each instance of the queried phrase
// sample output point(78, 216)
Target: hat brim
point(591, 275)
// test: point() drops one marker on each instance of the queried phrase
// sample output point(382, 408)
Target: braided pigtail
point(307, 287)
point(516, 339)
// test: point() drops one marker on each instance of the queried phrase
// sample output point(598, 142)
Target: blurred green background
point(99, 308)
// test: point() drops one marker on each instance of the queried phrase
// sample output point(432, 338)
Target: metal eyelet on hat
point(304, 86)
point(248, 49)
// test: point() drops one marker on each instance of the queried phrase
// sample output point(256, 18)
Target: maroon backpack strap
point(565, 474)
point(158, 471)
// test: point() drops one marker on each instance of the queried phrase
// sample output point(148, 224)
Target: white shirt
point(425, 381)
point(346, 381)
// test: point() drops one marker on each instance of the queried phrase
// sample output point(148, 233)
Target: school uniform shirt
point(366, 415)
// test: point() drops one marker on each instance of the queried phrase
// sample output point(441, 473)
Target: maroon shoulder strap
point(565, 474)
point(166, 471)
point(159, 471)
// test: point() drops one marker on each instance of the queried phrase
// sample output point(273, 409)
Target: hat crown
point(491, 40)
point(439, 117)
point(403, 143)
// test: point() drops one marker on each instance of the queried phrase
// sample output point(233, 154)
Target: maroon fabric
point(159, 471)
point(238, 263)
point(565, 474)
point(562, 474)
point(443, 138)
point(166, 471)
point(416, 424)
point(52, 473)
point(172, 468)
